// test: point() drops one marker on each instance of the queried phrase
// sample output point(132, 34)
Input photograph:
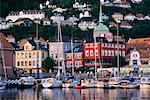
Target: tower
point(101, 29)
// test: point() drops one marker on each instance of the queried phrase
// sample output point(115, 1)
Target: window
point(56, 56)
point(29, 63)
point(26, 55)
point(91, 52)
point(18, 55)
point(18, 63)
point(109, 53)
point(96, 52)
point(43, 55)
point(33, 63)
point(22, 63)
point(22, 54)
point(86, 53)
point(34, 54)
point(134, 62)
point(106, 53)
point(27, 47)
point(26, 63)
point(37, 55)
point(29, 55)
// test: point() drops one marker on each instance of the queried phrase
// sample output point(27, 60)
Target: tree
point(48, 64)
point(122, 61)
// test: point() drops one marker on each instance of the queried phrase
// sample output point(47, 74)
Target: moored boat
point(26, 82)
point(145, 83)
point(69, 84)
point(114, 82)
point(2, 84)
point(51, 83)
point(128, 84)
point(89, 83)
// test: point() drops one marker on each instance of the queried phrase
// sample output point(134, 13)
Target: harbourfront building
point(30, 56)
point(138, 52)
point(104, 53)
point(57, 50)
point(75, 58)
point(6, 56)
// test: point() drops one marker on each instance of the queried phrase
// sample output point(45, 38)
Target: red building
point(104, 52)
point(77, 60)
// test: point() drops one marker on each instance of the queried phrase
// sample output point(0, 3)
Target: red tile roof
point(140, 40)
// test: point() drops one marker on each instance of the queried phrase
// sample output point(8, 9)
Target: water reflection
point(72, 94)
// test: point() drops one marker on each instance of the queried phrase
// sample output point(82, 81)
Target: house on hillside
point(129, 17)
point(31, 14)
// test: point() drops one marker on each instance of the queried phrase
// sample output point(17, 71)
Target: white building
point(84, 25)
point(58, 49)
point(46, 21)
point(57, 17)
point(136, 1)
point(117, 16)
point(5, 24)
point(129, 17)
point(31, 14)
point(84, 14)
point(79, 6)
point(135, 58)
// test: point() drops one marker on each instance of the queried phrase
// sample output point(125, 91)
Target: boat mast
point(95, 58)
point(72, 55)
point(37, 54)
point(61, 49)
point(3, 60)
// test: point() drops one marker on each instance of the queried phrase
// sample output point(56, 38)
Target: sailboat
point(3, 81)
point(70, 83)
point(56, 82)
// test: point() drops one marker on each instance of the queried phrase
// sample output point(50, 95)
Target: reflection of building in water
point(47, 94)
point(27, 94)
point(144, 94)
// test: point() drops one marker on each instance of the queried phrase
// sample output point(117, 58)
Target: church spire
point(100, 12)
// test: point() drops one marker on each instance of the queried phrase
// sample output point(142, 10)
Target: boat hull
point(144, 86)
point(129, 86)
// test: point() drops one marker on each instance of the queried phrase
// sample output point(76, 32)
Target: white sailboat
point(95, 83)
point(56, 82)
point(3, 81)
point(71, 83)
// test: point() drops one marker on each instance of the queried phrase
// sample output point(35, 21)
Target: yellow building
point(30, 55)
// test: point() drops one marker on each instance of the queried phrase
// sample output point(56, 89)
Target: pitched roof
point(33, 43)
point(5, 43)
point(140, 40)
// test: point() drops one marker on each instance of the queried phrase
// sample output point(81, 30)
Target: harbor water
point(75, 94)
